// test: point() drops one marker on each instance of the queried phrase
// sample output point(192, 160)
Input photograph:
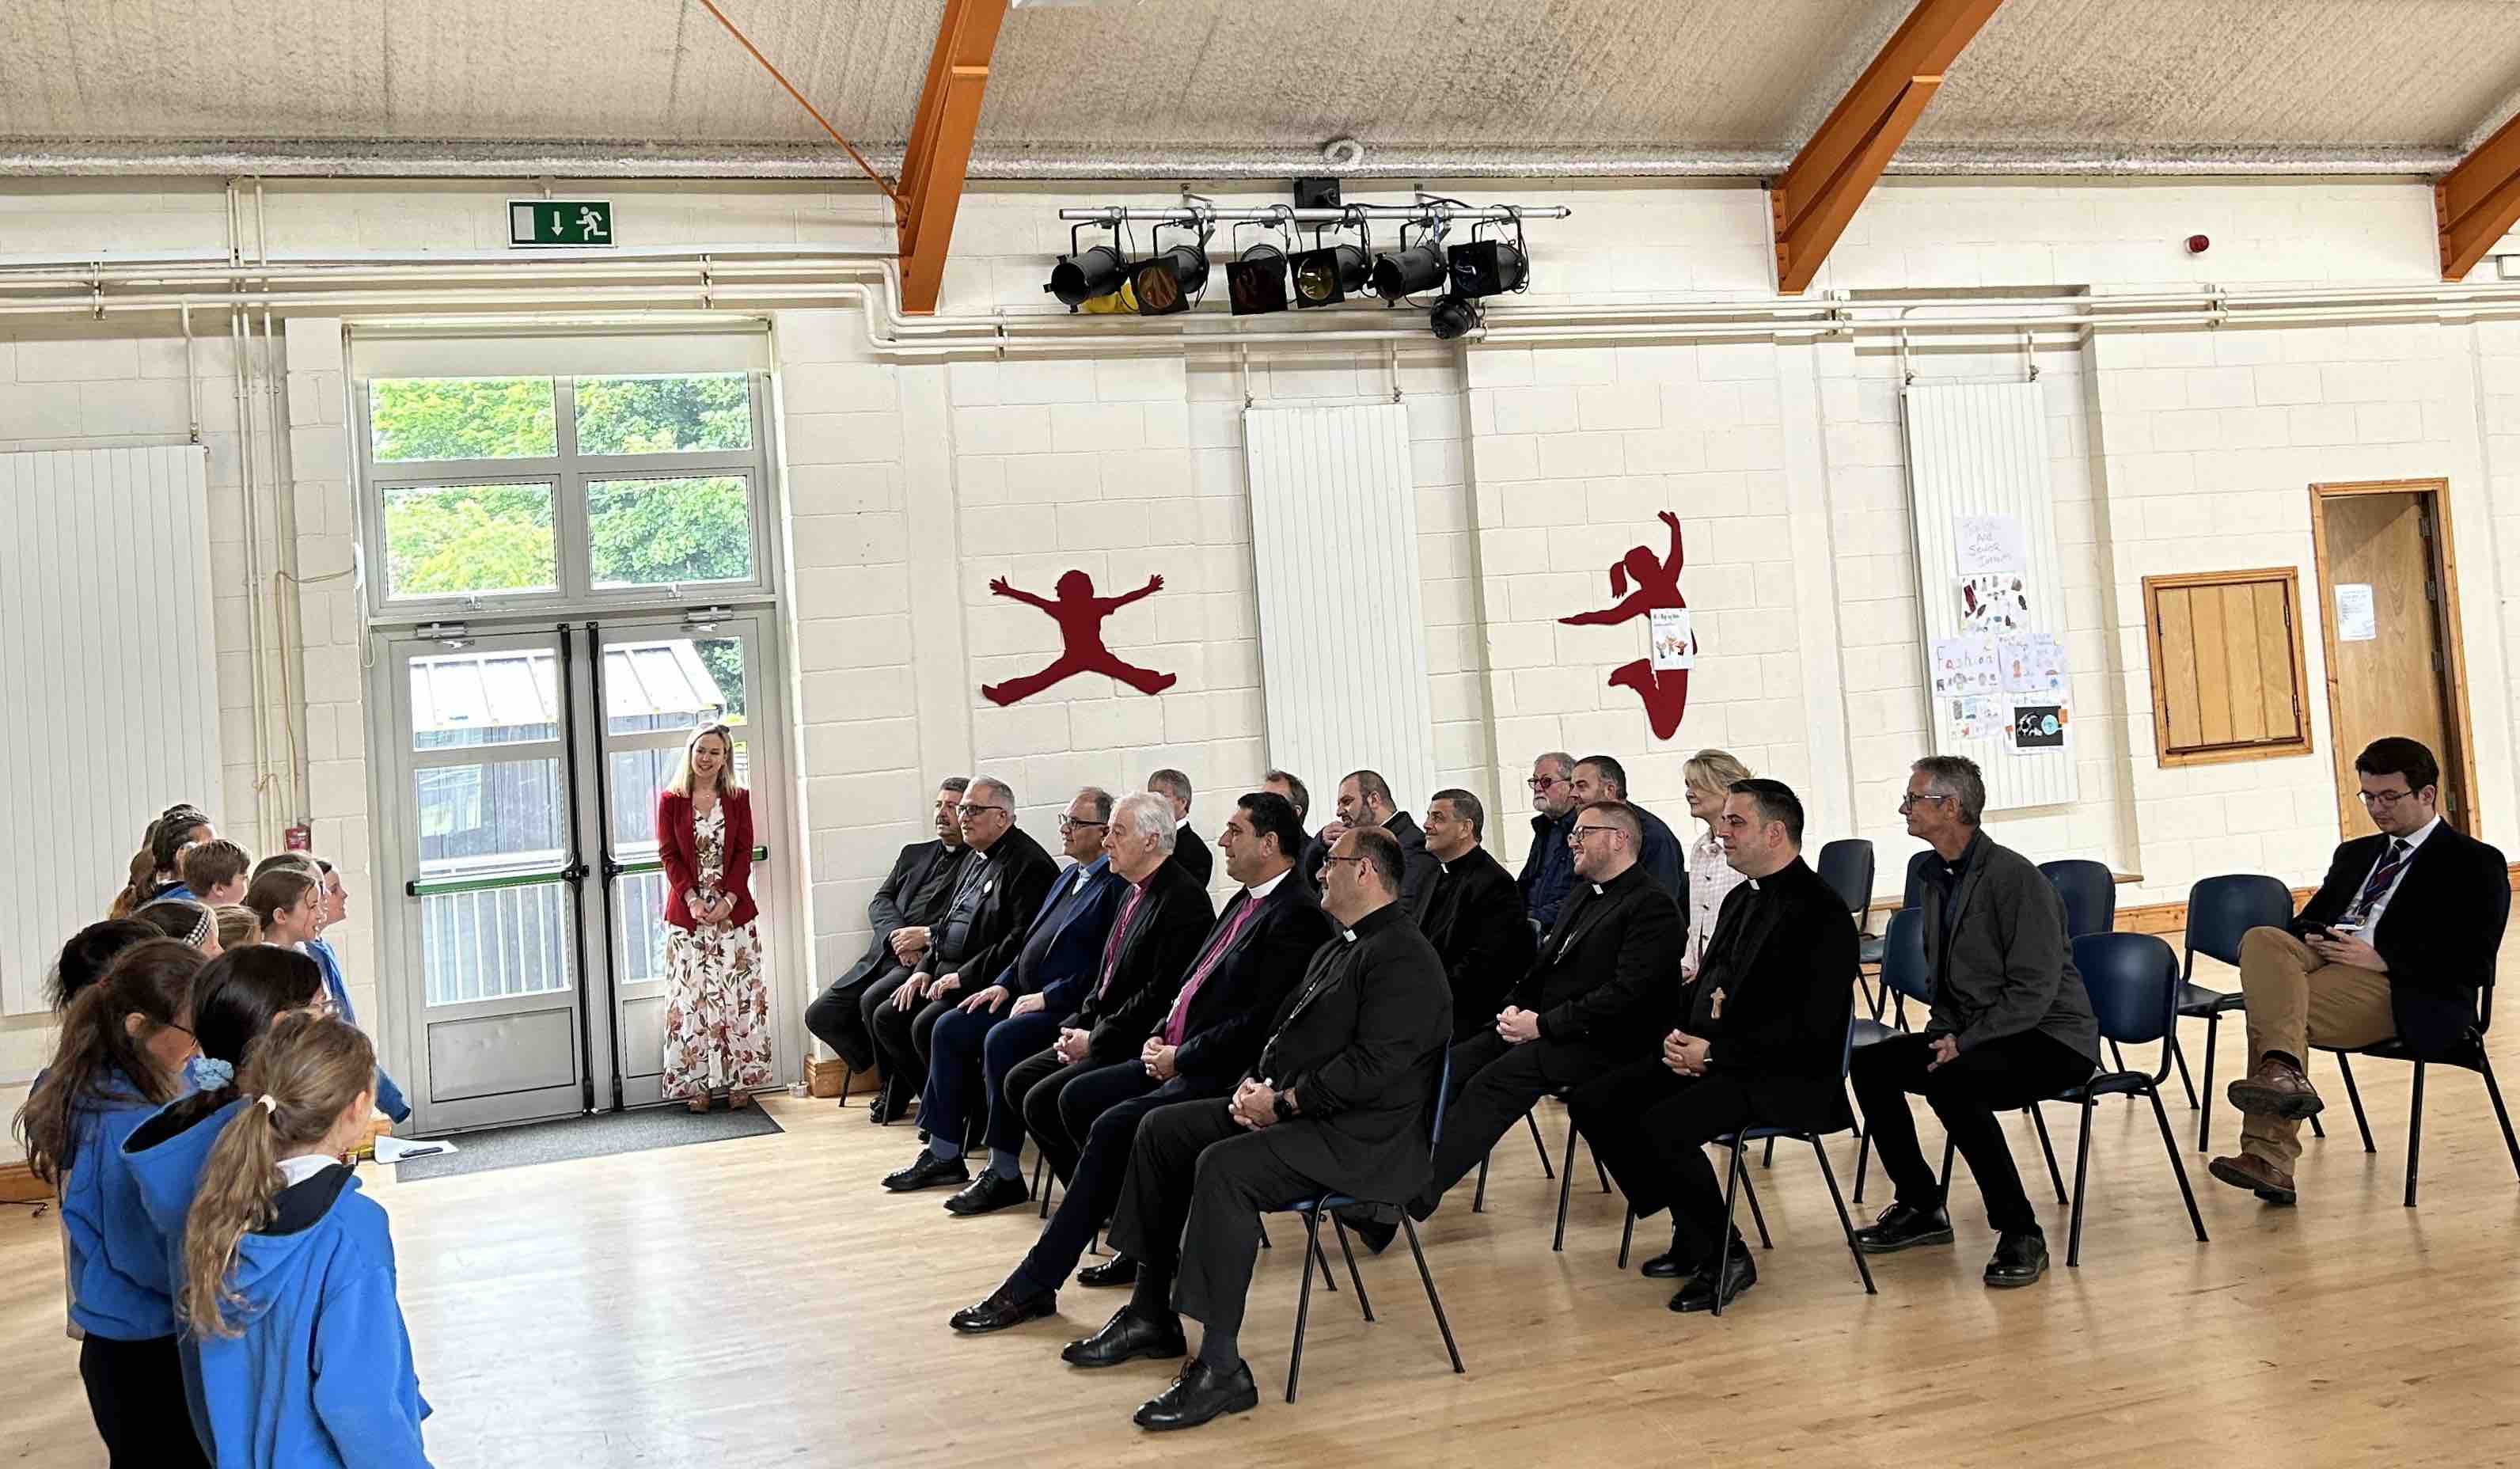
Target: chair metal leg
point(2082, 1175)
point(2415, 1133)
point(1724, 1241)
point(2178, 1169)
point(1863, 1156)
point(1949, 1149)
point(2205, 1098)
point(1603, 1170)
point(1303, 1301)
point(1264, 1236)
point(2354, 1094)
point(1845, 1222)
point(847, 1076)
point(1627, 1235)
point(2054, 1175)
point(1756, 1216)
point(2179, 1053)
point(1361, 1303)
point(1565, 1185)
point(1432, 1299)
point(1479, 1200)
point(1330, 1282)
point(2485, 1068)
point(2117, 1056)
point(1767, 1154)
point(1532, 1120)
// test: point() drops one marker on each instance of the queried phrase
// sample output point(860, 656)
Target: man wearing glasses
point(2395, 943)
point(1549, 869)
point(912, 896)
point(1059, 948)
point(1604, 990)
point(1001, 887)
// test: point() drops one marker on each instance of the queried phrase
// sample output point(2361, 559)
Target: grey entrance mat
point(586, 1138)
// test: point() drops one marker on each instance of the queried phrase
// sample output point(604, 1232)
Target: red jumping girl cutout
point(1080, 614)
point(1665, 693)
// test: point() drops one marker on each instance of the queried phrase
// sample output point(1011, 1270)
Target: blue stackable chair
point(1845, 867)
point(2090, 892)
point(2219, 910)
point(1314, 1208)
point(1739, 1142)
point(2133, 979)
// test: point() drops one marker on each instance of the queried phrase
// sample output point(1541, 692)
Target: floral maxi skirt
point(717, 1012)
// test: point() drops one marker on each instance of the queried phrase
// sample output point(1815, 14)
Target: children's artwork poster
point(1976, 718)
point(1966, 667)
point(1985, 544)
point(2035, 728)
point(1995, 603)
point(2034, 664)
point(1675, 639)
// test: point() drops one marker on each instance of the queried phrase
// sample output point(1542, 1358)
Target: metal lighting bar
point(1191, 214)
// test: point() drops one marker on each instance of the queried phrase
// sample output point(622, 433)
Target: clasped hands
point(1515, 1025)
point(1157, 1058)
point(1254, 1103)
point(1685, 1054)
point(712, 913)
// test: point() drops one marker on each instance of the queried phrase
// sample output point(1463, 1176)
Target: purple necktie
point(2377, 887)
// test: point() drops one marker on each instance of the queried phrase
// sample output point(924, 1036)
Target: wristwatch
point(1286, 1112)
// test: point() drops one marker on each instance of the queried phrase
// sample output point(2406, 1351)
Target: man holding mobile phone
point(2395, 943)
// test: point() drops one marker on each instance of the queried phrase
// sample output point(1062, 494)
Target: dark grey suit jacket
point(2003, 966)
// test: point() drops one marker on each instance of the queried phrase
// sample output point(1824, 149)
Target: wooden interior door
point(2392, 670)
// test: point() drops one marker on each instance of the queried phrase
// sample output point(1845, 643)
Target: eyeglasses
point(1575, 837)
point(1357, 857)
point(1070, 824)
point(1909, 800)
point(1545, 782)
point(2383, 800)
point(968, 810)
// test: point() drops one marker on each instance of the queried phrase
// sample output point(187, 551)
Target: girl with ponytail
point(235, 998)
point(152, 866)
point(286, 1267)
point(123, 1044)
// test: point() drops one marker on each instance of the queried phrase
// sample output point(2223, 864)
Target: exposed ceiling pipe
point(538, 159)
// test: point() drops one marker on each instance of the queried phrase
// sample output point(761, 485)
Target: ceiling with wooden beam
point(1229, 87)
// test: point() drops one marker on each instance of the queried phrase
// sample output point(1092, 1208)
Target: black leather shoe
point(928, 1171)
point(1672, 1265)
point(1699, 1293)
point(1126, 1337)
point(2019, 1260)
point(1119, 1269)
point(1003, 1309)
point(1901, 1227)
point(879, 1109)
point(1198, 1394)
point(987, 1194)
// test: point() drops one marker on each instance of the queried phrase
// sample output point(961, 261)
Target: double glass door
point(528, 915)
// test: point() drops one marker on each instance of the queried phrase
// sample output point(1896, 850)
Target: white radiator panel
point(1342, 641)
point(107, 654)
point(1981, 449)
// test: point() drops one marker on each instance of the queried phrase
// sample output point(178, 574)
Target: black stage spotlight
point(1453, 316)
point(1487, 267)
point(1079, 278)
point(1421, 267)
point(1326, 276)
point(1256, 283)
point(1169, 280)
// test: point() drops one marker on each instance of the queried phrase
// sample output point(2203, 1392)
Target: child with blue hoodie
point(235, 1001)
point(288, 1271)
point(123, 1044)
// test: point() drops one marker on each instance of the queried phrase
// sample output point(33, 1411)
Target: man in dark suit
point(1190, 849)
point(1337, 1100)
point(2010, 1026)
point(1308, 868)
point(2395, 944)
point(995, 896)
point(1599, 778)
point(1059, 949)
point(1364, 800)
point(1762, 1042)
point(1474, 917)
point(911, 898)
point(1549, 868)
point(1604, 987)
point(1201, 1045)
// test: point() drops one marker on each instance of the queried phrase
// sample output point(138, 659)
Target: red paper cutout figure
point(1080, 615)
point(1665, 692)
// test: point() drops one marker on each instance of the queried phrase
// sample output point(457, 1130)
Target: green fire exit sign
point(570, 222)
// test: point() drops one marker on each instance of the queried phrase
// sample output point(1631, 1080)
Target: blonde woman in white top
point(1709, 773)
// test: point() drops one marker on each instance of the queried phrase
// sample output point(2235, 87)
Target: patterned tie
point(2376, 887)
point(1112, 946)
point(1178, 1020)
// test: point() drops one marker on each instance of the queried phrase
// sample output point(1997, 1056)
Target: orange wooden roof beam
point(939, 156)
point(2478, 203)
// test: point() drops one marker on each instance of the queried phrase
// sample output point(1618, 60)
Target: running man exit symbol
point(548, 223)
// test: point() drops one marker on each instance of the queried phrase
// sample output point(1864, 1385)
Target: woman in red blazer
point(717, 991)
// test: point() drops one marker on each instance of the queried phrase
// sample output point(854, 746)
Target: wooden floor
point(762, 1302)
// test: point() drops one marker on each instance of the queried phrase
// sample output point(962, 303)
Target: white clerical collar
point(1180, 823)
point(1259, 891)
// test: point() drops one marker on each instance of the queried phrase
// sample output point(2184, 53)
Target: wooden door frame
point(2445, 569)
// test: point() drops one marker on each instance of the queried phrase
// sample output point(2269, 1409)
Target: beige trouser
point(2296, 1001)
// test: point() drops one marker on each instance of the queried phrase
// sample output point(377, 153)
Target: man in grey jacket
point(2010, 1025)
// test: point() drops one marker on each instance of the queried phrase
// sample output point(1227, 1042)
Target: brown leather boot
point(2255, 1173)
point(2276, 1088)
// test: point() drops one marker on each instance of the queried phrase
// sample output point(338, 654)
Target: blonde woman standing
point(717, 991)
point(1709, 775)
